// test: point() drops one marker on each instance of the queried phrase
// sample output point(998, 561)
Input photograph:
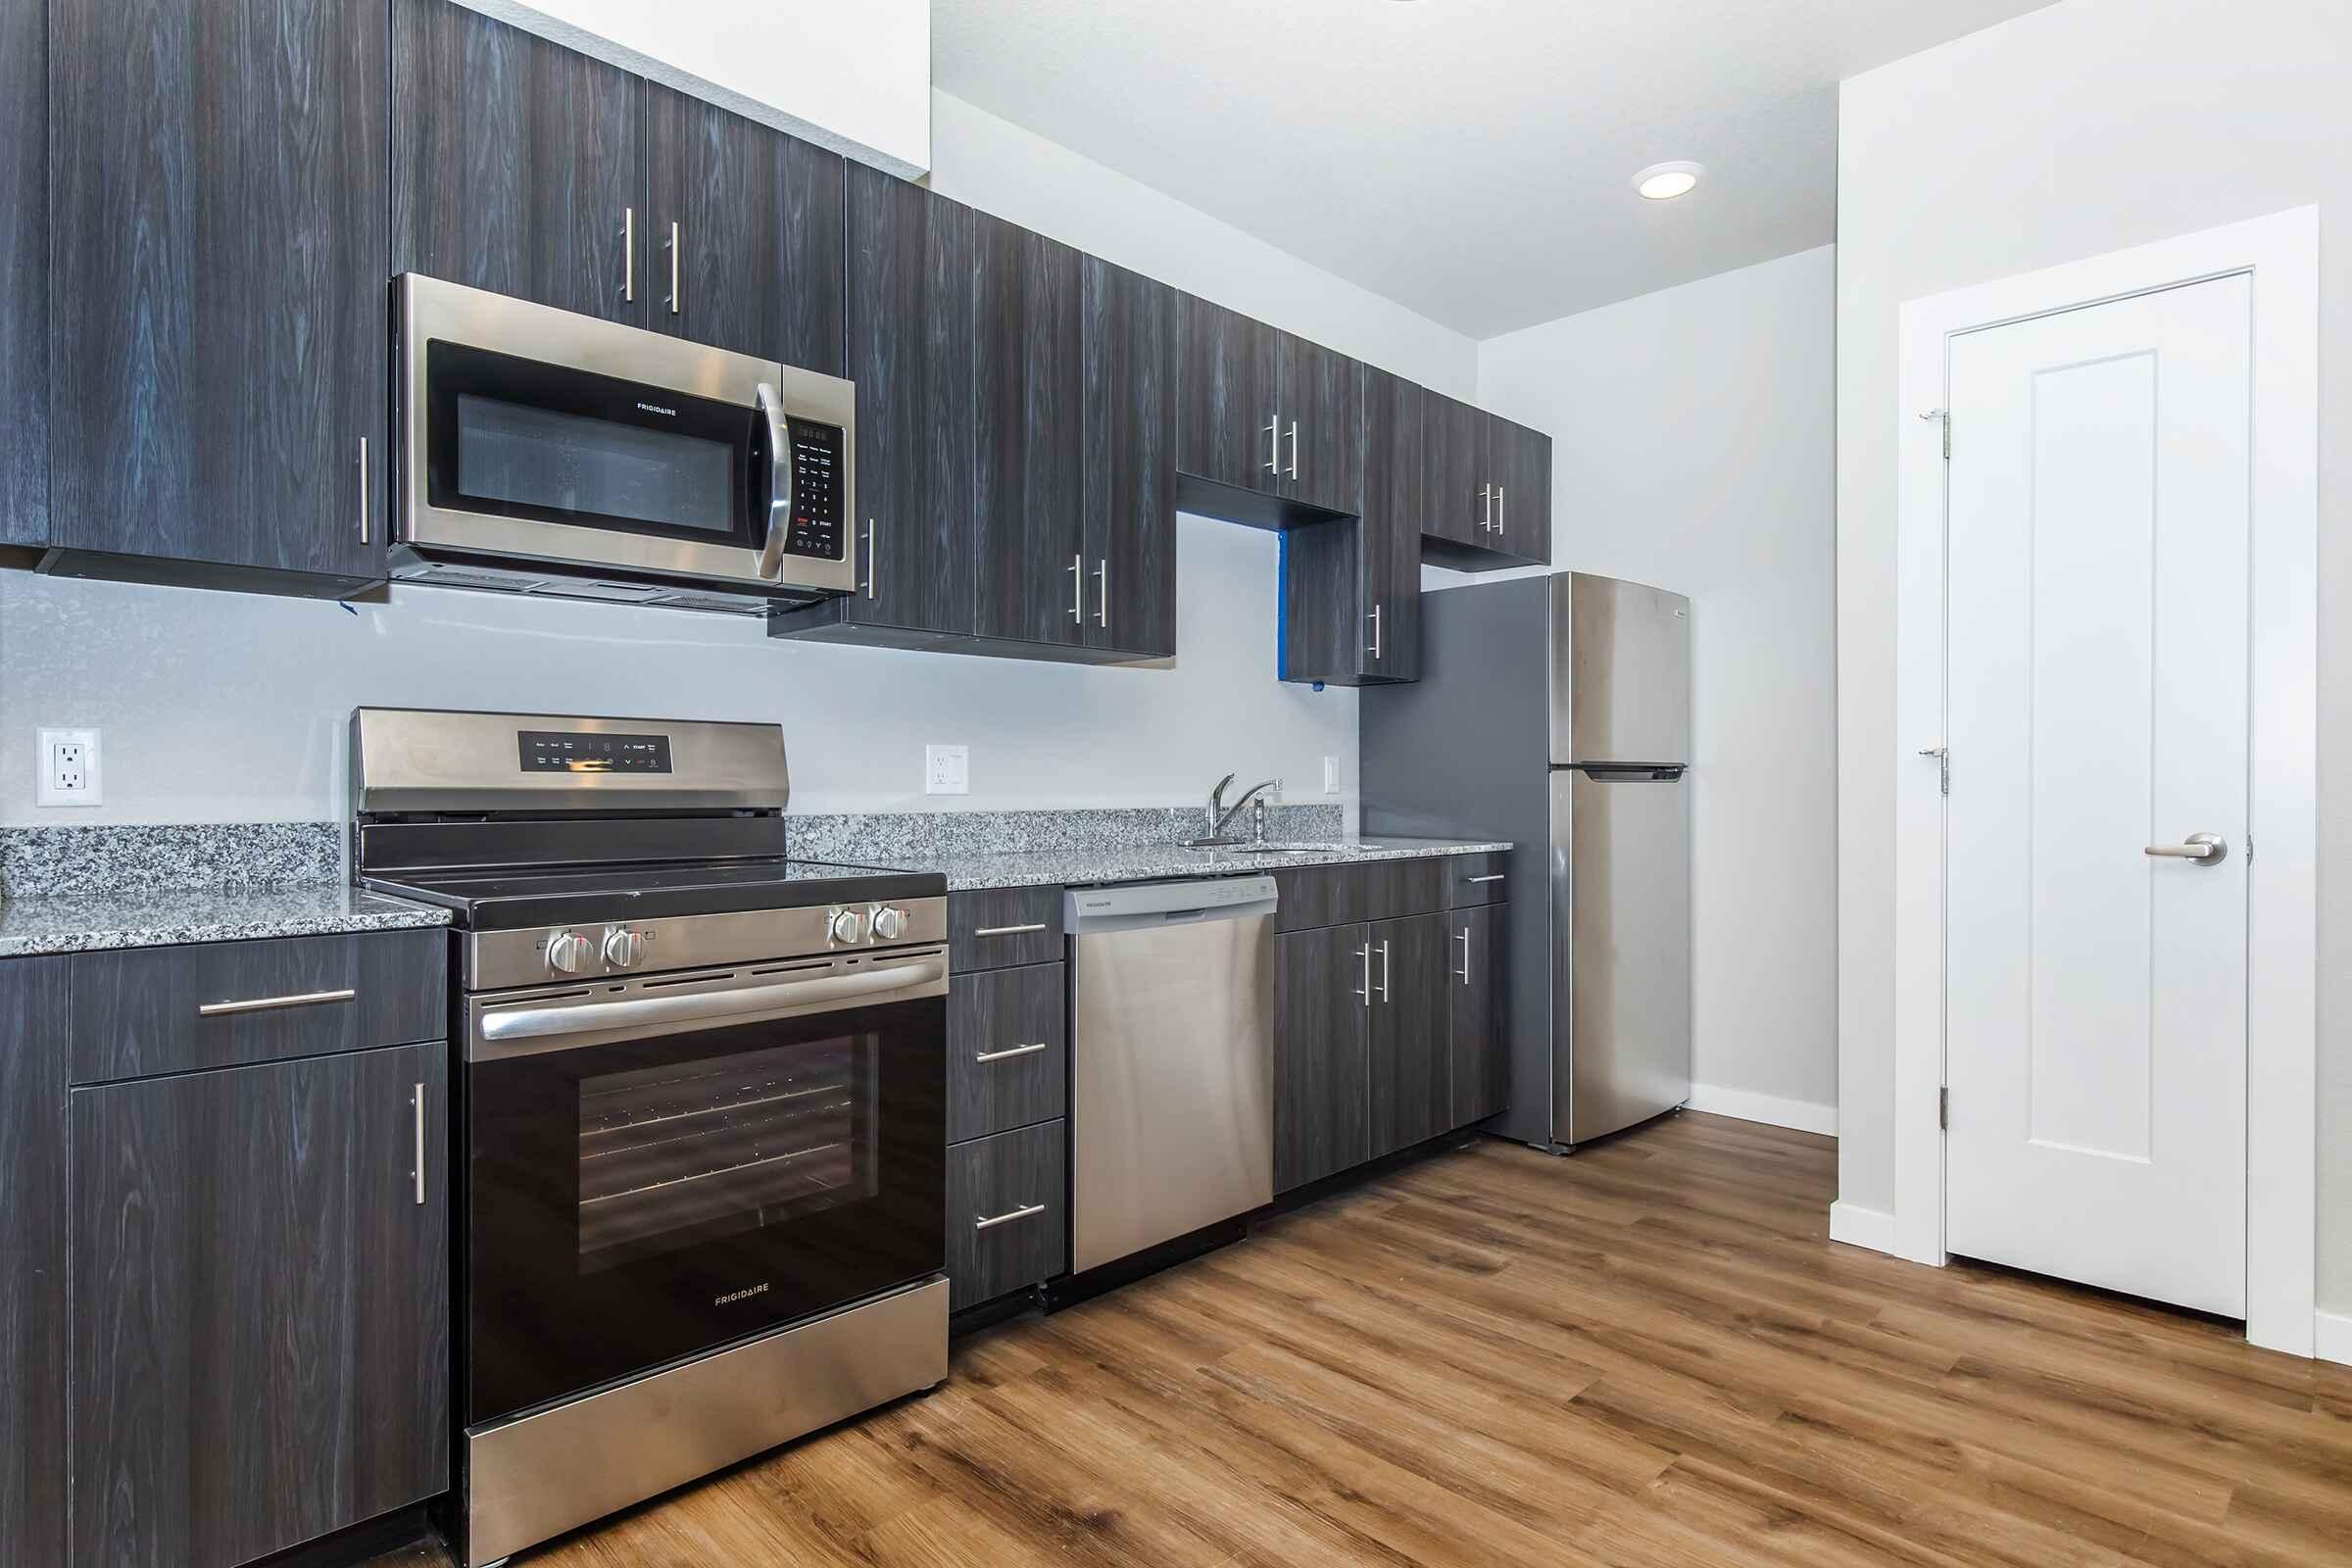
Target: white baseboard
point(2331, 1337)
point(1802, 1114)
point(1856, 1226)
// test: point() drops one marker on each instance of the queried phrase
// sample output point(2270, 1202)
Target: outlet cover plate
point(947, 770)
point(66, 768)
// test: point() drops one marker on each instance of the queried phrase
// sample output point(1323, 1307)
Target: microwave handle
point(779, 482)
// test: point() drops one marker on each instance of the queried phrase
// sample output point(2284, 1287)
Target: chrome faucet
point(1219, 814)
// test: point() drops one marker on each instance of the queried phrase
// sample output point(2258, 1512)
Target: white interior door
point(2097, 706)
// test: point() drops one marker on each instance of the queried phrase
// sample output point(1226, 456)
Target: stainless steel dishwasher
point(1172, 1059)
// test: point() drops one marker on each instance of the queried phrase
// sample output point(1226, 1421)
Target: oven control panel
point(819, 481)
point(563, 751)
point(535, 957)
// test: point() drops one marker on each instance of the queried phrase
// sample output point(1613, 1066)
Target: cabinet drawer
point(1472, 879)
point(1009, 1222)
point(1391, 888)
point(1312, 897)
point(1002, 928)
point(1008, 1050)
point(143, 1011)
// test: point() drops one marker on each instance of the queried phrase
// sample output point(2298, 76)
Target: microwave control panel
point(818, 481)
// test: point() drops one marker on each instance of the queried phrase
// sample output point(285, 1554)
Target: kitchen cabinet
point(1008, 1221)
point(1478, 1001)
point(517, 165)
point(911, 351)
point(999, 928)
point(1321, 1066)
point(1272, 424)
point(25, 263)
point(1128, 467)
point(1488, 497)
point(1027, 539)
point(1521, 463)
point(1410, 1055)
point(1319, 397)
point(1351, 588)
point(1008, 1060)
point(744, 249)
point(218, 211)
point(32, 1251)
point(1227, 431)
point(259, 1282)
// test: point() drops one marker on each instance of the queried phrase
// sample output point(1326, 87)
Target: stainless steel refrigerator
point(1555, 711)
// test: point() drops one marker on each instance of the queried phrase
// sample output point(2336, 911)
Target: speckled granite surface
point(1073, 867)
point(133, 857)
point(157, 917)
point(882, 836)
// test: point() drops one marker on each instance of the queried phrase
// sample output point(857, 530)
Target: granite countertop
point(85, 922)
point(1149, 862)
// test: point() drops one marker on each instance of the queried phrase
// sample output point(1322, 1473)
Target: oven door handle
point(779, 482)
point(524, 1030)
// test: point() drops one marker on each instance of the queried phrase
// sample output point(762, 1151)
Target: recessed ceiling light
point(1665, 181)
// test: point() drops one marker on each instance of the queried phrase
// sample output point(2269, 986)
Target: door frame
point(2279, 254)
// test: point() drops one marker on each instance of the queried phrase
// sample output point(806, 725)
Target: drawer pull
point(308, 999)
point(983, 1222)
point(1015, 1051)
point(1493, 876)
point(1008, 930)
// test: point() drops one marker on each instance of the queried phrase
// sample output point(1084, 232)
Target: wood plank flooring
point(1649, 1354)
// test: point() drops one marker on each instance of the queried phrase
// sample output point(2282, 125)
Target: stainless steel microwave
point(549, 452)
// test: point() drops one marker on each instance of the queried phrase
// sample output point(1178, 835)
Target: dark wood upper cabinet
point(1320, 1066)
point(218, 350)
point(1522, 500)
point(517, 165)
point(746, 245)
point(33, 1009)
point(911, 350)
point(1411, 1049)
point(1129, 460)
point(1319, 397)
point(1028, 538)
point(1227, 429)
point(1475, 976)
point(25, 263)
point(1457, 502)
point(1351, 588)
point(261, 1306)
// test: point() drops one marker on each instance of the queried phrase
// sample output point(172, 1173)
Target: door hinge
point(1943, 766)
point(1943, 1110)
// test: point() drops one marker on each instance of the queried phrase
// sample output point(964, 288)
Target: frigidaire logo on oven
point(656, 408)
point(746, 1293)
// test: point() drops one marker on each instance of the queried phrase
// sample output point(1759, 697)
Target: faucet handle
point(1216, 795)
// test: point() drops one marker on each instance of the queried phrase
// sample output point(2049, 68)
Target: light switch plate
point(1331, 776)
point(947, 770)
point(65, 769)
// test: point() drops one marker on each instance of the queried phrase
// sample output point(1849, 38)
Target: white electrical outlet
point(947, 770)
point(1331, 776)
point(66, 772)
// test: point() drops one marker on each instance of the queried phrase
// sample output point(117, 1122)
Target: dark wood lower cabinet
point(261, 1305)
point(1320, 1063)
point(1008, 1060)
point(32, 1252)
point(1477, 980)
point(1412, 1051)
point(1008, 1221)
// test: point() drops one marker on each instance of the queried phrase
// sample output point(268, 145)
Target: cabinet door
point(25, 263)
point(1129, 462)
point(1029, 573)
point(1320, 1007)
point(1227, 429)
point(1457, 498)
point(746, 245)
point(218, 233)
point(1411, 1057)
point(1523, 498)
point(1475, 978)
point(1396, 447)
point(33, 1254)
point(261, 1338)
point(517, 165)
point(1320, 398)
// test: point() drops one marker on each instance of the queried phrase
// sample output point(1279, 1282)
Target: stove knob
point(569, 952)
point(624, 946)
point(889, 924)
point(848, 927)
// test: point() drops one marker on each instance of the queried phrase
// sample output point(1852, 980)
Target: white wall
point(855, 76)
point(1692, 448)
point(2073, 131)
point(231, 706)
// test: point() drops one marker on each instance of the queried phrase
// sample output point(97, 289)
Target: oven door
point(658, 1166)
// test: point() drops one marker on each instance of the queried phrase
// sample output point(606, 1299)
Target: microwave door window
point(555, 461)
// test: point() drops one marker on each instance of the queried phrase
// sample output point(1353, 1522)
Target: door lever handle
point(2198, 849)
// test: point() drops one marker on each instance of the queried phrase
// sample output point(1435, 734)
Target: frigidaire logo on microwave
point(745, 1294)
point(654, 408)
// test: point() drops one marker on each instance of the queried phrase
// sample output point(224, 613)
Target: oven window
point(570, 463)
point(678, 1155)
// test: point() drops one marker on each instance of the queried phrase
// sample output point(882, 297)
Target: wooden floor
point(1649, 1354)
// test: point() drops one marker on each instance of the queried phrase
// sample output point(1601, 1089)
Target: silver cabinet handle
point(1007, 1054)
point(873, 558)
point(1274, 444)
point(363, 489)
point(1008, 930)
point(1464, 970)
point(1103, 582)
point(2198, 849)
point(1374, 650)
point(1499, 510)
point(1384, 971)
point(306, 998)
point(673, 269)
point(1078, 589)
point(982, 1222)
point(1485, 502)
point(417, 1099)
point(1293, 449)
point(628, 254)
point(1492, 876)
point(1365, 953)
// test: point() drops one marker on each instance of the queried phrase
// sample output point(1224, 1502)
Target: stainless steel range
point(701, 1123)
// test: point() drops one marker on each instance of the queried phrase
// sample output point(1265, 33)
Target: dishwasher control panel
point(1193, 898)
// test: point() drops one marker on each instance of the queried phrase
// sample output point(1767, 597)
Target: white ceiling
point(1470, 159)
